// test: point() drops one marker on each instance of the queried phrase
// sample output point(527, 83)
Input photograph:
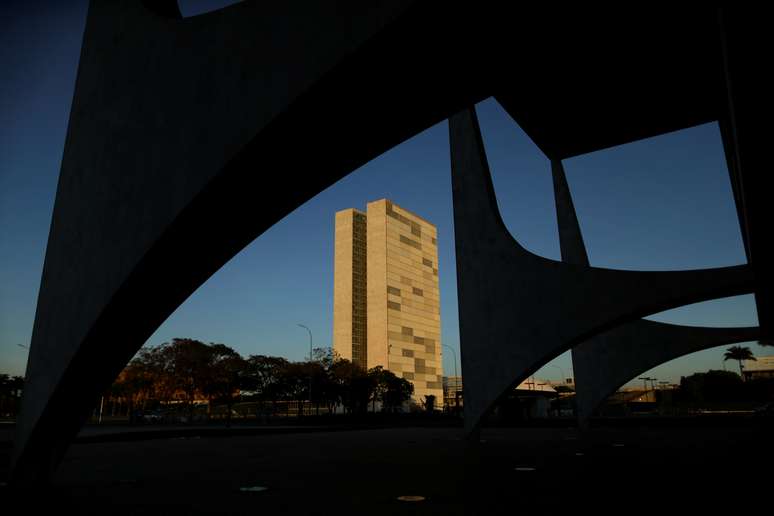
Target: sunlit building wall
point(349, 287)
point(761, 367)
point(452, 391)
point(401, 310)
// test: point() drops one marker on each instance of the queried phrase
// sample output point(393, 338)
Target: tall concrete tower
point(386, 307)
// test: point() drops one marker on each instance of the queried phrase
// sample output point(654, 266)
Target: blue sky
point(658, 204)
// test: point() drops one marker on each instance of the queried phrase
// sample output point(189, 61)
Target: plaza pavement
point(658, 469)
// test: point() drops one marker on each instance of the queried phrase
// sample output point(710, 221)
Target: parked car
point(154, 416)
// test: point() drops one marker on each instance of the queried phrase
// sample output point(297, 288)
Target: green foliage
point(11, 388)
point(224, 375)
point(711, 386)
point(325, 356)
point(187, 369)
point(353, 385)
point(184, 368)
point(397, 391)
point(264, 376)
point(738, 353)
point(723, 386)
point(391, 390)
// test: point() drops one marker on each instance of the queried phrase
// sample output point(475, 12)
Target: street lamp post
point(456, 378)
point(310, 361)
point(645, 380)
point(558, 395)
point(564, 378)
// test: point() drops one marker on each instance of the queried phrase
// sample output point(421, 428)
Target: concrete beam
point(610, 359)
point(607, 361)
point(518, 310)
point(189, 137)
point(745, 42)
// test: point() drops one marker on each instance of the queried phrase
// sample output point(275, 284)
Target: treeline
point(723, 386)
point(186, 371)
point(10, 394)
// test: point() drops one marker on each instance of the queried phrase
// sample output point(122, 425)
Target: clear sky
point(658, 204)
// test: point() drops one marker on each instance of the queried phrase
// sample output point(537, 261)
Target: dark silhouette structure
point(519, 310)
point(608, 360)
point(190, 137)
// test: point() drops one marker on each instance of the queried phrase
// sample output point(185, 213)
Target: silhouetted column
point(608, 360)
point(517, 310)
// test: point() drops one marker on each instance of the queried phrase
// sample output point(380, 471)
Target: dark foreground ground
point(653, 468)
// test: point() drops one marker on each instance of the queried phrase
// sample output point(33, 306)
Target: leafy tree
point(152, 374)
point(341, 374)
point(738, 353)
point(378, 377)
point(327, 388)
point(224, 376)
point(183, 365)
point(352, 385)
point(11, 388)
point(321, 385)
point(188, 368)
point(135, 385)
point(264, 376)
point(429, 402)
point(711, 386)
point(294, 382)
point(325, 357)
point(397, 391)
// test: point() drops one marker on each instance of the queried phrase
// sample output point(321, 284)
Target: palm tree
point(738, 353)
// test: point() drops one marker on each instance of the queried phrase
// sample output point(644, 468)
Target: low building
point(761, 367)
point(452, 392)
point(535, 396)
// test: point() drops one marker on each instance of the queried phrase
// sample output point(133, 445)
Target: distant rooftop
point(406, 210)
point(759, 364)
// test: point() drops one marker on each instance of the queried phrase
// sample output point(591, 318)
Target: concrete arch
point(608, 360)
point(189, 137)
point(518, 310)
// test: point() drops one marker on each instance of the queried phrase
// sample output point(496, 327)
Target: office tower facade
point(349, 287)
point(386, 308)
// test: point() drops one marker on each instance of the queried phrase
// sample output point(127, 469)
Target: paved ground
point(655, 469)
point(105, 433)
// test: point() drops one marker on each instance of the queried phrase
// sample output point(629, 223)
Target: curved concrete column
point(518, 310)
point(608, 360)
point(187, 139)
point(743, 42)
point(605, 362)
